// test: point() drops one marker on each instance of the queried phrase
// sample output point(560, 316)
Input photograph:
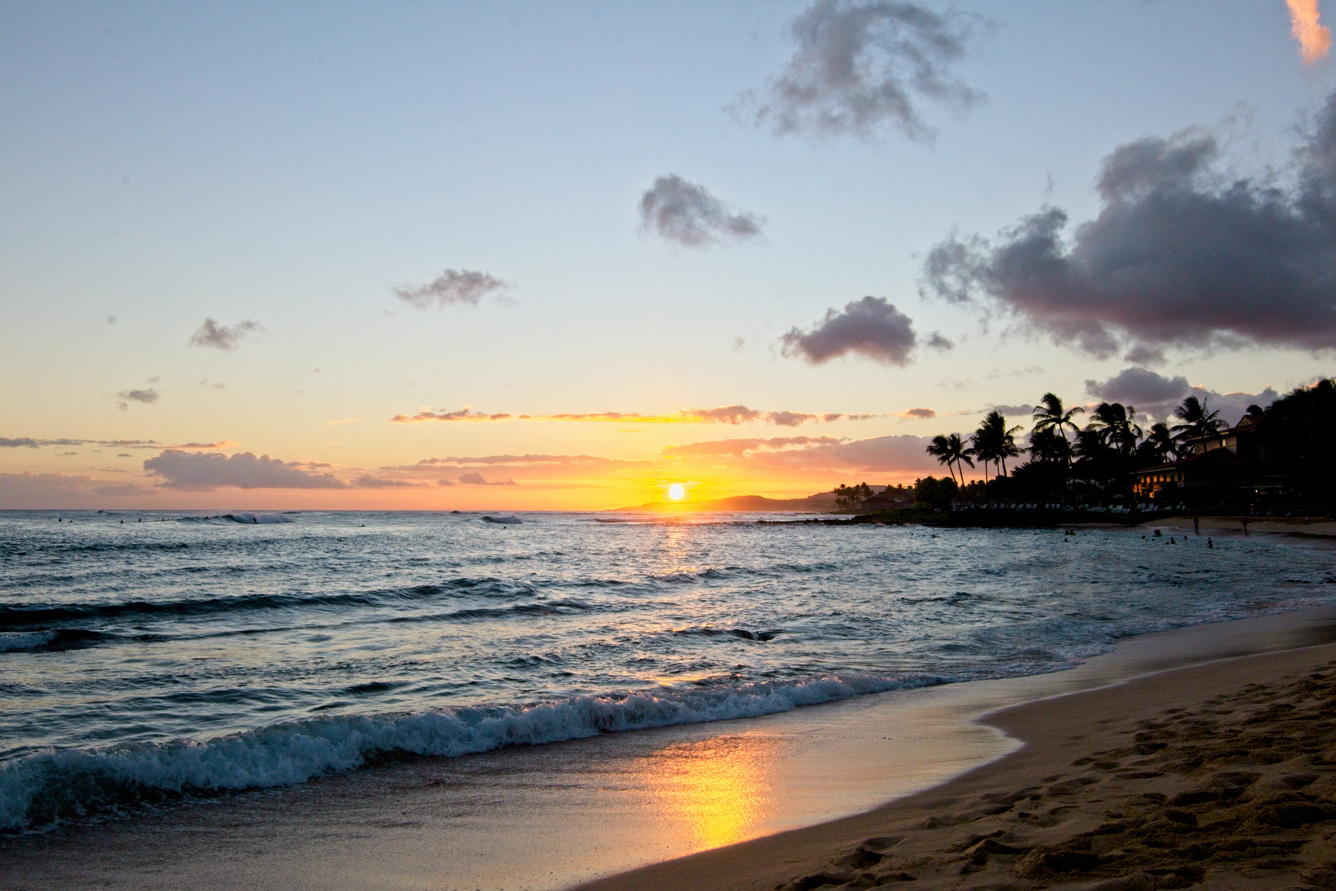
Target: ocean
point(159, 656)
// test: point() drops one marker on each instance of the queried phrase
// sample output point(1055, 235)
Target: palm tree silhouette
point(994, 442)
point(1051, 416)
point(950, 450)
point(940, 448)
point(1198, 421)
point(959, 454)
point(1115, 425)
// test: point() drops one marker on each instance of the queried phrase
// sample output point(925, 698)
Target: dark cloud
point(687, 214)
point(451, 286)
point(1182, 253)
point(870, 327)
point(146, 397)
point(1156, 396)
point(1008, 410)
point(18, 443)
point(1139, 386)
point(224, 337)
point(861, 67)
point(1144, 354)
point(204, 470)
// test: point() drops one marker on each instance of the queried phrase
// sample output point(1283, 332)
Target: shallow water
point(143, 655)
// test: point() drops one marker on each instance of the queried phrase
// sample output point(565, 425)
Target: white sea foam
point(45, 787)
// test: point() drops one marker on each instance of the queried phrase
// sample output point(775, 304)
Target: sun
point(675, 491)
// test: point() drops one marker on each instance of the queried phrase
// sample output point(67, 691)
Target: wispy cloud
point(204, 470)
point(1314, 38)
point(224, 337)
point(861, 67)
point(450, 287)
point(371, 482)
point(1184, 252)
point(919, 414)
point(728, 414)
point(686, 214)
point(870, 327)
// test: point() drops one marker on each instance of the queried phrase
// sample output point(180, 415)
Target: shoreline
point(1124, 802)
point(552, 816)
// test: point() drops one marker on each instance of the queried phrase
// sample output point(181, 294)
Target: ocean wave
point(23, 617)
point(741, 633)
point(58, 785)
point(245, 518)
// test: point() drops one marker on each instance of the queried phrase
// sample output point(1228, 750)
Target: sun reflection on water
point(715, 791)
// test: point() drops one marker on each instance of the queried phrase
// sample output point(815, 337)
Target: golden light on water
point(714, 789)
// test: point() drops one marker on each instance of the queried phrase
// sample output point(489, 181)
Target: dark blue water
point(149, 655)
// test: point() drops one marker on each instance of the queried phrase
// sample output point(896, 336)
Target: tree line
point(1097, 460)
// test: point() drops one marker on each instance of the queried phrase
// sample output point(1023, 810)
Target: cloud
point(870, 327)
point(1156, 396)
point(19, 491)
point(1008, 410)
point(371, 482)
point(203, 470)
point(1314, 38)
point(473, 478)
point(224, 337)
point(1139, 386)
point(742, 447)
point(1182, 253)
point(728, 414)
point(451, 286)
point(18, 443)
point(685, 213)
point(862, 67)
point(147, 397)
point(921, 414)
point(464, 414)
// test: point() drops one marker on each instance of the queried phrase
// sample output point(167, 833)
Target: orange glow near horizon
point(1314, 38)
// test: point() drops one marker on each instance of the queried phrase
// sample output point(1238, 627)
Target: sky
point(532, 256)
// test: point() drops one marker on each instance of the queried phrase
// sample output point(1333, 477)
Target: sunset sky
point(563, 256)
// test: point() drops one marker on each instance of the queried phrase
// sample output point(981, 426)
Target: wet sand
point(1218, 776)
point(552, 816)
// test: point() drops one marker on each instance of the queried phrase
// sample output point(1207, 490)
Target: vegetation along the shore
point(1273, 460)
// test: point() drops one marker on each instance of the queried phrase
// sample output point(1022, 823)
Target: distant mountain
point(820, 503)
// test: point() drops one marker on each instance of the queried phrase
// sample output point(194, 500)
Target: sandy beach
point(1214, 776)
point(1134, 773)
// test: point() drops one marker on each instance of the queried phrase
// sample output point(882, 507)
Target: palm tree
point(1198, 421)
point(994, 442)
point(1050, 416)
point(1160, 444)
point(940, 448)
point(1047, 446)
point(959, 454)
point(1114, 424)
